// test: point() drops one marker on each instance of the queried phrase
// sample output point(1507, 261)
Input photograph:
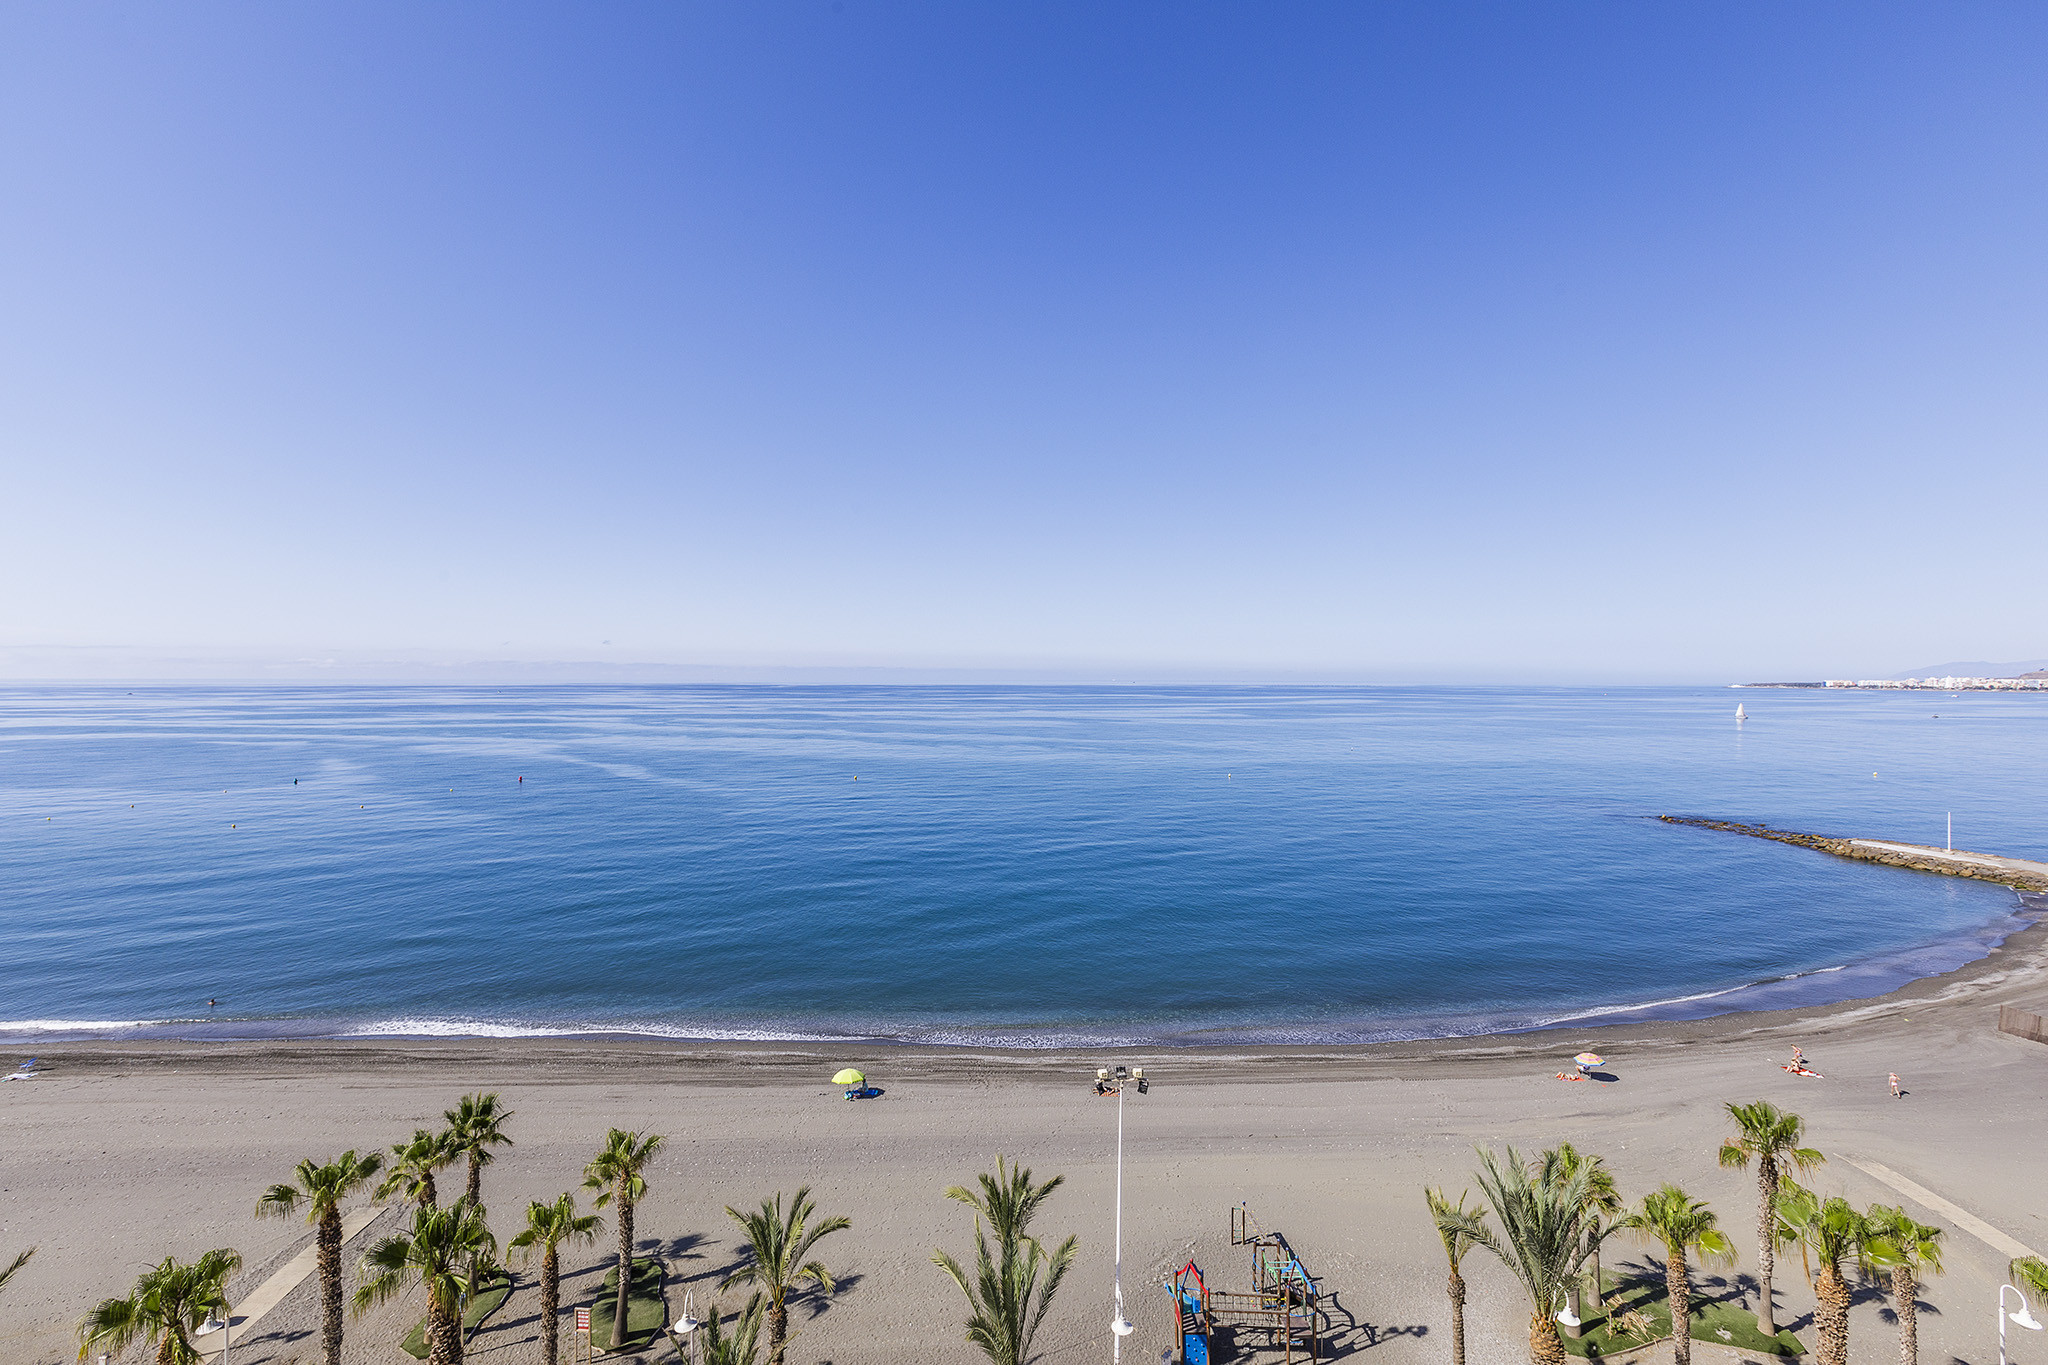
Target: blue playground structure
point(1191, 1299)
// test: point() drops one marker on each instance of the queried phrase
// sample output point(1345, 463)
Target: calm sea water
point(1017, 865)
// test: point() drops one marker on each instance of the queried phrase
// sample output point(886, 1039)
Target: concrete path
point(2009, 1247)
point(271, 1292)
point(1933, 854)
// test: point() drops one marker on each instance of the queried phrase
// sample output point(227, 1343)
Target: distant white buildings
point(1948, 684)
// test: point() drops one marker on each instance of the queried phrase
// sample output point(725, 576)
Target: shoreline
point(2014, 971)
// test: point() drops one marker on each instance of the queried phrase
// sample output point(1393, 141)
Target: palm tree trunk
point(438, 1352)
point(625, 1271)
point(474, 1193)
point(1904, 1292)
point(176, 1348)
point(1678, 1292)
point(778, 1330)
point(1831, 1316)
point(1545, 1347)
point(428, 1197)
point(1766, 1248)
point(1457, 1291)
point(550, 1304)
point(329, 1238)
point(1599, 1289)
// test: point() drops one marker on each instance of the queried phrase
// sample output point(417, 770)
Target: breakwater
point(2014, 872)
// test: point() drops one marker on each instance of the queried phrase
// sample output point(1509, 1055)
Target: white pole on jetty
point(1951, 831)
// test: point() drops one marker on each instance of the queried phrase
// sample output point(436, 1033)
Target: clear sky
point(1535, 341)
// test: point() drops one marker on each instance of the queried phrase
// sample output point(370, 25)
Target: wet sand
point(124, 1153)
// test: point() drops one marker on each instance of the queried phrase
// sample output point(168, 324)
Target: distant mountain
point(1976, 668)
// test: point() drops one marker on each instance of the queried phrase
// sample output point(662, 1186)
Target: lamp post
point(216, 1324)
point(686, 1328)
point(2023, 1317)
point(1108, 1082)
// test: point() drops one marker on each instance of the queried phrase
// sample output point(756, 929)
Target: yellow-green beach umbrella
point(850, 1077)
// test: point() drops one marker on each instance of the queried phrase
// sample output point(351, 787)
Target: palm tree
point(1008, 1199)
point(14, 1265)
point(322, 1189)
point(440, 1251)
point(548, 1227)
point(1683, 1226)
point(1459, 1227)
point(168, 1301)
point(1012, 1289)
point(1602, 1199)
point(413, 1163)
point(475, 1126)
point(780, 1241)
point(743, 1346)
point(1547, 1232)
point(1912, 1247)
point(1832, 1232)
point(617, 1173)
point(2031, 1272)
point(1770, 1137)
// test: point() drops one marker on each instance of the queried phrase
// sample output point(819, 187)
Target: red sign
point(583, 1319)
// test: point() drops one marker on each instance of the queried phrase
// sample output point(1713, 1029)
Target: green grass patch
point(495, 1291)
point(1714, 1321)
point(646, 1306)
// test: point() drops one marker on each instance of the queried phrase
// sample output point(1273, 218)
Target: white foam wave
point(13, 1026)
point(485, 1028)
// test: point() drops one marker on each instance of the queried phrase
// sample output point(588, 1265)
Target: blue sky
point(1376, 341)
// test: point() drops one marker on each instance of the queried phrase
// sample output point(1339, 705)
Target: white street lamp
point(686, 1328)
point(2023, 1317)
point(214, 1324)
point(1108, 1082)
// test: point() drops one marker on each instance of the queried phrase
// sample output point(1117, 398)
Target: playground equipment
point(1285, 1301)
point(1191, 1304)
point(1276, 1270)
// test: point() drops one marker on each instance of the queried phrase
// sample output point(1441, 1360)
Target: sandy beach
point(122, 1154)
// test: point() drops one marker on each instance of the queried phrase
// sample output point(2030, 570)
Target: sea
point(981, 866)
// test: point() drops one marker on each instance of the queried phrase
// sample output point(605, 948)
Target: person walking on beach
point(1896, 1092)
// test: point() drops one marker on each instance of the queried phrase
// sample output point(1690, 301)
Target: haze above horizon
point(1392, 343)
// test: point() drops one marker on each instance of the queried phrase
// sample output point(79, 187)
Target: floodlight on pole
point(1115, 1081)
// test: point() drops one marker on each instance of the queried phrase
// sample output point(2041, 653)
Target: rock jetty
point(2014, 872)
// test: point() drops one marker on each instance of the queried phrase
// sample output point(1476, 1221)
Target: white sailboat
point(1738, 712)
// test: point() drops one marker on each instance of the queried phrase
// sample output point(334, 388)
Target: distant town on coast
point(2030, 682)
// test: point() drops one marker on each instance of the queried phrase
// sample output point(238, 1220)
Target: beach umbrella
point(850, 1077)
point(1589, 1059)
